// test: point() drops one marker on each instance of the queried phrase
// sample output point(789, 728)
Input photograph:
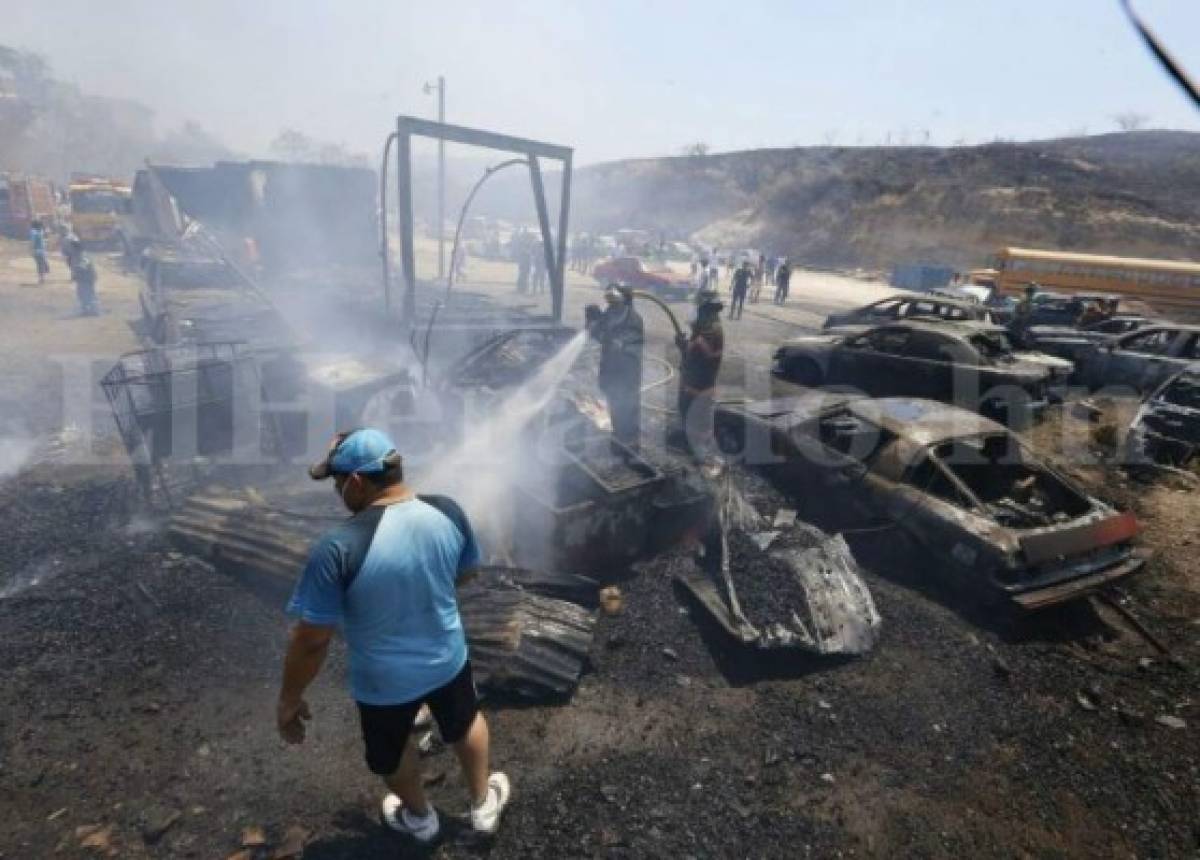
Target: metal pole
point(564, 207)
point(539, 198)
point(383, 225)
point(441, 230)
point(404, 203)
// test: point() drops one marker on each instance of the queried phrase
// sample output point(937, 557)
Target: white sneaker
point(399, 819)
point(485, 818)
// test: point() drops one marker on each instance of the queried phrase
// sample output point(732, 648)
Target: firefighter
point(620, 332)
point(698, 372)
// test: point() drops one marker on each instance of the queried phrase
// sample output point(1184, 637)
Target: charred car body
point(1073, 343)
point(972, 365)
point(1142, 360)
point(961, 486)
point(903, 306)
point(1166, 429)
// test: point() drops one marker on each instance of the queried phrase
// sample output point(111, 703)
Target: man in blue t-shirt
point(387, 577)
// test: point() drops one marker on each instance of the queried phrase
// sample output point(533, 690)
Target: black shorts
point(386, 728)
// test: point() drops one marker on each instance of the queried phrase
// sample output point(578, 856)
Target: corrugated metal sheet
point(525, 642)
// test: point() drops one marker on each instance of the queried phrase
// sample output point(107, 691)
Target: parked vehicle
point(97, 206)
point(973, 365)
point(630, 271)
point(906, 305)
point(1002, 523)
point(24, 199)
point(1166, 429)
point(1143, 359)
point(1164, 284)
point(1072, 343)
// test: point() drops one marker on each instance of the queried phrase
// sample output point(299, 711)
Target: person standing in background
point(537, 263)
point(37, 246)
point(783, 280)
point(741, 286)
point(83, 273)
point(522, 269)
point(756, 283)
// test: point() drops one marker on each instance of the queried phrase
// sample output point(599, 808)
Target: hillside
point(1134, 193)
point(50, 127)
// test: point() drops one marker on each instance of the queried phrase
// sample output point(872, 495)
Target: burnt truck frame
point(1005, 526)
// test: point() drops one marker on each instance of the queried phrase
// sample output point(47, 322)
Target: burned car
point(973, 365)
point(1143, 359)
point(1166, 429)
point(1004, 524)
point(1073, 343)
point(904, 306)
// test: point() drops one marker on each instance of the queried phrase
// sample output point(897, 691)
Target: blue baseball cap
point(367, 451)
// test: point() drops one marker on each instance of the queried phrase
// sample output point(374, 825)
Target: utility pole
point(440, 86)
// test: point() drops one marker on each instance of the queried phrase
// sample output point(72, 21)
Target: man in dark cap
point(621, 335)
point(698, 372)
point(387, 577)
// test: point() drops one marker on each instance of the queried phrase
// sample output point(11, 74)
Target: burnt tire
point(803, 371)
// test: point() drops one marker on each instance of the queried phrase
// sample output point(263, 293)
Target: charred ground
point(137, 689)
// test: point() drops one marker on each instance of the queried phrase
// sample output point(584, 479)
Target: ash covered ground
point(137, 690)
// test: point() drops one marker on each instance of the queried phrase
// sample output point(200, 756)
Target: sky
point(625, 78)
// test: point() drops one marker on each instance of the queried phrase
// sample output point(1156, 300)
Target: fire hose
point(670, 314)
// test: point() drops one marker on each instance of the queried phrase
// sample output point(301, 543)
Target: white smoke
point(481, 471)
point(15, 452)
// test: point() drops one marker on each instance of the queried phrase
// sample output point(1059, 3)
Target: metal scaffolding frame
point(533, 150)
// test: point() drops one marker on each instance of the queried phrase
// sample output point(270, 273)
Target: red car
point(630, 272)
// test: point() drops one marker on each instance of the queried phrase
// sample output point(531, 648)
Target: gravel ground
point(137, 684)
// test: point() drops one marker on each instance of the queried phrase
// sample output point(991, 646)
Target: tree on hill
point(296, 146)
point(1131, 120)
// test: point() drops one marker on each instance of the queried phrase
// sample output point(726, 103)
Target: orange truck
point(22, 200)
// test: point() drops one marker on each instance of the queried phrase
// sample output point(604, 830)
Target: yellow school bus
point(1163, 284)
